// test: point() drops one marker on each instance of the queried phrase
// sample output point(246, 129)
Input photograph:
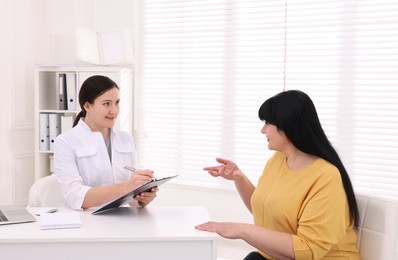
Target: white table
point(152, 233)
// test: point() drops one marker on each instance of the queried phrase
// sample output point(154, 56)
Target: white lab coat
point(81, 161)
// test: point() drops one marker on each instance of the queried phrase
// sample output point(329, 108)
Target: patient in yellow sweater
point(304, 205)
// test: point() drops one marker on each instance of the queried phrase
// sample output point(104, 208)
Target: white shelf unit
point(46, 86)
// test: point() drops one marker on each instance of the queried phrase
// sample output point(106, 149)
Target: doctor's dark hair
point(92, 88)
point(294, 113)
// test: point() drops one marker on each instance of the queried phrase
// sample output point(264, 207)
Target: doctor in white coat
point(89, 159)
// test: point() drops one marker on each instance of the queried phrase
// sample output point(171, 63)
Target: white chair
point(45, 192)
point(378, 228)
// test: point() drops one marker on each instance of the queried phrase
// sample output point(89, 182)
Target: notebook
point(60, 220)
point(13, 214)
point(127, 198)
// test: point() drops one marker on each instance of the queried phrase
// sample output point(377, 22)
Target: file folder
point(62, 103)
point(71, 91)
point(55, 128)
point(66, 123)
point(44, 137)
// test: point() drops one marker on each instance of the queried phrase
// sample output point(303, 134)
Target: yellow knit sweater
point(310, 204)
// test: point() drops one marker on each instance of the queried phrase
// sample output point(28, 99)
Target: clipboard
point(127, 198)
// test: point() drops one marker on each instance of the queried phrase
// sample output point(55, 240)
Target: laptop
point(127, 198)
point(13, 214)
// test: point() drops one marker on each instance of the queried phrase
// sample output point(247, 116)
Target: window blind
point(344, 54)
point(203, 68)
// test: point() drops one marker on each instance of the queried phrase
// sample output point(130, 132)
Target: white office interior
point(43, 32)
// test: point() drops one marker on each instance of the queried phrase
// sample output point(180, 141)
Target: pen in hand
point(129, 168)
point(134, 169)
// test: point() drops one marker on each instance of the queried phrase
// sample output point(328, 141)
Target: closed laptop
point(13, 214)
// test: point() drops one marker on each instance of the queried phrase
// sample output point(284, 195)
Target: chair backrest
point(45, 192)
point(378, 228)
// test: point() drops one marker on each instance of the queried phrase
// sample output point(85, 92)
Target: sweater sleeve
point(323, 220)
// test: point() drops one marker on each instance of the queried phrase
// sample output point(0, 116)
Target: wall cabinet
point(56, 105)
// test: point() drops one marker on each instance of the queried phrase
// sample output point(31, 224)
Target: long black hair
point(294, 113)
point(92, 88)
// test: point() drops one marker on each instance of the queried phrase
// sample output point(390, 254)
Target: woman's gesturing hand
point(228, 169)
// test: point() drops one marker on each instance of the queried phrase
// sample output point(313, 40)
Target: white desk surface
point(163, 227)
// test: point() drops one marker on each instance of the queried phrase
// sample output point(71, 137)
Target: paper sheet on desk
point(60, 220)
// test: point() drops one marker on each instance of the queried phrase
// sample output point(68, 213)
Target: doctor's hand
point(146, 197)
point(139, 178)
point(228, 170)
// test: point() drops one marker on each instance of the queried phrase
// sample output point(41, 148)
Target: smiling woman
point(102, 113)
point(89, 159)
point(304, 205)
point(100, 91)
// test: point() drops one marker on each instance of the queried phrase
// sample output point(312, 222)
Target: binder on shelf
point(71, 91)
point(55, 128)
point(66, 123)
point(62, 103)
point(44, 132)
point(51, 159)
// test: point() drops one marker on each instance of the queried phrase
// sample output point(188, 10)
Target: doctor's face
point(103, 112)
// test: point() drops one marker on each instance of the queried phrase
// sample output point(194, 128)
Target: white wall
point(20, 47)
point(39, 32)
